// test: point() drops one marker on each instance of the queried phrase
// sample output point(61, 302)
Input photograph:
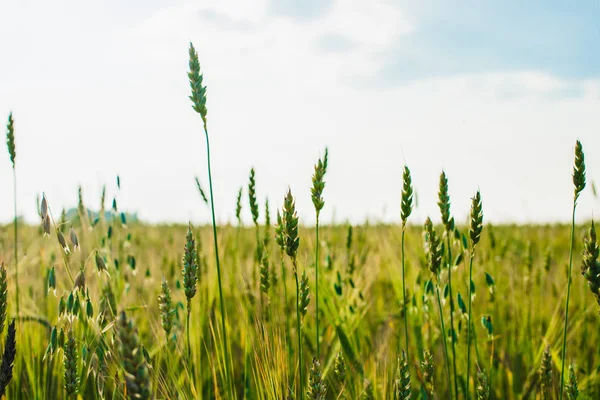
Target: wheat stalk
point(579, 185)
point(198, 98)
point(10, 143)
point(405, 211)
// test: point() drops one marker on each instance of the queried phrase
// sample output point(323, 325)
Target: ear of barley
point(579, 185)
point(317, 389)
point(70, 365)
point(135, 366)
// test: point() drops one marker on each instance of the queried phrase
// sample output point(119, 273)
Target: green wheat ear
point(165, 305)
point(572, 388)
point(135, 367)
point(402, 381)
point(3, 296)
point(290, 225)
point(407, 196)
point(238, 207)
point(70, 362)
point(318, 181)
point(546, 374)
point(198, 96)
point(10, 138)
point(8, 358)
point(590, 267)
point(304, 294)
point(444, 203)
point(476, 219)
point(482, 389)
point(190, 275)
point(434, 249)
point(579, 170)
point(252, 196)
point(316, 384)
point(427, 370)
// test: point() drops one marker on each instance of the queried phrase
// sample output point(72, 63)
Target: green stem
point(469, 320)
point(299, 328)
point(16, 241)
point(404, 295)
point(317, 283)
point(189, 345)
point(564, 350)
point(444, 337)
point(214, 224)
point(450, 266)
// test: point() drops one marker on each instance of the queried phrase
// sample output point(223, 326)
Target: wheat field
point(97, 305)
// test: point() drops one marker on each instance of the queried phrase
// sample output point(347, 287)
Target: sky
point(493, 92)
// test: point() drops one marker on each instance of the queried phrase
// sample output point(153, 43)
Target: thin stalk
point(564, 350)
point(189, 345)
point(317, 284)
point(299, 328)
point(469, 325)
point(404, 295)
point(450, 266)
point(444, 338)
point(16, 241)
point(214, 224)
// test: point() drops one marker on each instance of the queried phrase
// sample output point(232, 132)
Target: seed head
point(198, 96)
point(482, 389)
point(476, 219)
point(70, 364)
point(434, 248)
point(74, 239)
point(546, 373)
point(579, 170)
point(572, 389)
point(590, 267)
point(3, 296)
point(444, 203)
point(190, 267)
point(238, 207)
point(165, 304)
point(407, 196)
point(316, 384)
point(402, 381)
point(427, 370)
point(318, 181)
point(202, 194)
point(265, 282)
point(339, 367)
point(8, 358)
point(252, 197)
point(290, 227)
point(135, 366)
point(304, 299)
point(10, 139)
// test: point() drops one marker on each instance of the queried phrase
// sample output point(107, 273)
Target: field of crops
point(96, 306)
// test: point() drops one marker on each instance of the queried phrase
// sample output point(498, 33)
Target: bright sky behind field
point(493, 92)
